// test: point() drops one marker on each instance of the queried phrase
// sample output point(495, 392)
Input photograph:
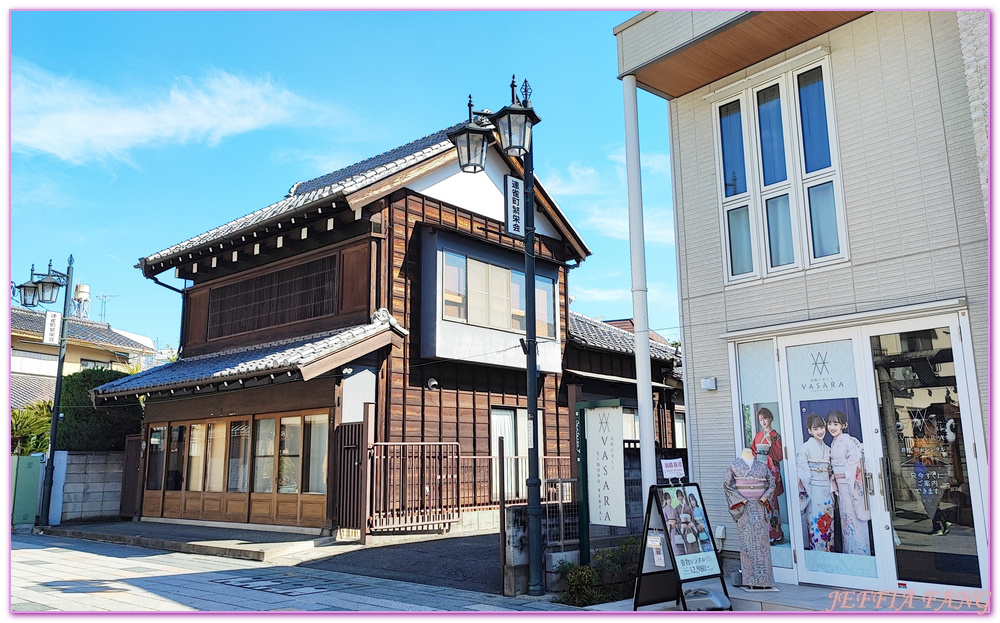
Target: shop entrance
point(884, 477)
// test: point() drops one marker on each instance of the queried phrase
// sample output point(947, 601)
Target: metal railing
point(414, 485)
point(480, 478)
point(427, 484)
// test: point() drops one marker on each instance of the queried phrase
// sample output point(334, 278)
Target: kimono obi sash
point(839, 469)
point(819, 471)
point(751, 488)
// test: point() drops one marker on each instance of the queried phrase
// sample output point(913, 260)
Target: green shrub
point(29, 428)
point(581, 585)
point(610, 576)
point(88, 429)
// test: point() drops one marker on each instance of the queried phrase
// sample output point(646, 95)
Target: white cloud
point(77, 121)
point(612, 221)
point(654, 162)
point(583, 180)
point(600, 295)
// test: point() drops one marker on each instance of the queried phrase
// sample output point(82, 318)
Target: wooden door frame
point(183, 470)
point(336, 412)
point(275, 494)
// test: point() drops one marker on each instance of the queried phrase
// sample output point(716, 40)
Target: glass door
point(834, 448)
point(932, 494)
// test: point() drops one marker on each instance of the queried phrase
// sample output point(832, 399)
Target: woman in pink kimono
point(813, 465)
point(847, 483)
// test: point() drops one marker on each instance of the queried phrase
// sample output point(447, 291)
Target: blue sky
point(133, 131)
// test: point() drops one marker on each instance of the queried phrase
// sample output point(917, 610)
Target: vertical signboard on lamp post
point(50, 335)
point(514, 205)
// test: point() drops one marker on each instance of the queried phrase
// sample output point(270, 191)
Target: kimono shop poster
point(605, 466)
point(829, 460)
point(688, 532)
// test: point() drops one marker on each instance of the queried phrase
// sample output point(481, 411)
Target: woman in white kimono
point(749, 485)
point(847, 482)
point(813, 463)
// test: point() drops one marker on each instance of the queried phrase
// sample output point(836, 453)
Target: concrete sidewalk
point(277, 565)
point(52, 573)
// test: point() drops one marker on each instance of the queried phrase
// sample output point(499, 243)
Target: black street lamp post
point(513, 123)
point(44, 288)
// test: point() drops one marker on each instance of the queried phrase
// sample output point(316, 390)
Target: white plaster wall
point(916, 217)
point(359, 388)
point(481, 192)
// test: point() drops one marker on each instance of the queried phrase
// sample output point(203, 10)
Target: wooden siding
point(460, 409)
point(623, 365)
point(354, 305)
point(293, 396)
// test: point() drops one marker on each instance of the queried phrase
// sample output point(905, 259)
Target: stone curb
point(275, 550)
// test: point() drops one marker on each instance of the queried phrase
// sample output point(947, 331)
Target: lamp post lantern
point(44, 288)
point(513, 123)
point(471, 141)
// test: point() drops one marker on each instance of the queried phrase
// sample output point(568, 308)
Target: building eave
point(745, 39)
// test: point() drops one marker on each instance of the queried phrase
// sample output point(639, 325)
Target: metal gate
point(348, 441)
point(131, 476)
point(415, 485)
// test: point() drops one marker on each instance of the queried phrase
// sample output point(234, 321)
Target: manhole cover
point(290, 585)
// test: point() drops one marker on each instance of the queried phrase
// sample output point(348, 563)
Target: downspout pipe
point(142, 266)
point(640, 313)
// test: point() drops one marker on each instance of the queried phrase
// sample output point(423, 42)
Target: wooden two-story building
point(390, 283)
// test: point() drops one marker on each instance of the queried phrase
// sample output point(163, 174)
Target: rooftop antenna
point(104, 302)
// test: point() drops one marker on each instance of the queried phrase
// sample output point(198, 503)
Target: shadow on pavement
point(469, 563)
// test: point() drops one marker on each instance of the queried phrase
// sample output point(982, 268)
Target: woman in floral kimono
point(748, 487)
point(813, 463)
point(847, 482)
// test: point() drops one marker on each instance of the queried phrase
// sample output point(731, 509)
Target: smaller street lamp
point(471, 141)
point(44, 288)
point(29, 293)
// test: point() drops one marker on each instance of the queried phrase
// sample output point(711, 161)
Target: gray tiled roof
point(330, 186)
point(601, 335)
point(28, 388)
point(247, 361)
point(30, 321)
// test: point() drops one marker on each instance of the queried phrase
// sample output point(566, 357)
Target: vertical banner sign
point(605, 466)
point(53, 322)
point(514, 205)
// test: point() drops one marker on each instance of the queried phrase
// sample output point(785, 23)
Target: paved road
point(74, 575)
point(469, 563)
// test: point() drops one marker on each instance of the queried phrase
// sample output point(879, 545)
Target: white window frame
point(795, 185)
point(509, 328)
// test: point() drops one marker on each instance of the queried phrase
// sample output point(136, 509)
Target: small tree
point(29, 428)
point(85, 428)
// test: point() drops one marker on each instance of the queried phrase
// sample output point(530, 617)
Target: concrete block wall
point(93, 485)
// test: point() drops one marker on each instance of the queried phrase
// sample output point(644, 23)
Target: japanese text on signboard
point(514, 205)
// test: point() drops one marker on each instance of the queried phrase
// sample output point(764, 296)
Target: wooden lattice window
point(279, 297)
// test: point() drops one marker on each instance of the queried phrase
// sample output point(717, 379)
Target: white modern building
point(830, 197)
